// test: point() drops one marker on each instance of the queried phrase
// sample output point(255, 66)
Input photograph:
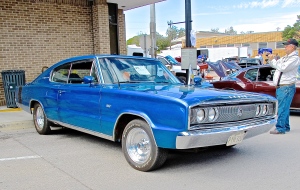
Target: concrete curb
point(16, 125)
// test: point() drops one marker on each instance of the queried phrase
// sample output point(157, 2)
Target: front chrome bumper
point(219, 136)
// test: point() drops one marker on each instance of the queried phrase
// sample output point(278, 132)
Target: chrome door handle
point(61, 91)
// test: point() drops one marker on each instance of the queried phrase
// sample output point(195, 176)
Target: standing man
point(284, 79)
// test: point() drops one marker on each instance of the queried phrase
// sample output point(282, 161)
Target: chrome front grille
point(232, 113)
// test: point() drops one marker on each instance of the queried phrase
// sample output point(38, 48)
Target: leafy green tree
point(215, 30)
point(181, 33)
point(161, 42)
point(135, 40)
point(230, 31)
point(292, 31)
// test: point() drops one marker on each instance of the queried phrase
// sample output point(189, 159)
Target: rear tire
point(139, 147)
point(42, 125)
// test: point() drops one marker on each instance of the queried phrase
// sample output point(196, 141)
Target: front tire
point(42, 125)
point(139, 147)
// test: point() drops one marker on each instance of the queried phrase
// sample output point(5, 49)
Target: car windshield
point(128, 70)
point(256, 61)
point(233, 74)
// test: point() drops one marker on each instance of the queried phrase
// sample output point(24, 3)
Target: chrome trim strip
point(101, 135)
point(219, 136)
point(230, 102)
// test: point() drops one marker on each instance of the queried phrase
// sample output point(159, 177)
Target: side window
point(74, 72)
point(251, 74)
point(94, 73)
point(79, 70)
point(61, 73)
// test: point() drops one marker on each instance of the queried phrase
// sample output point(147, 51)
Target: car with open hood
point(138, 102)
point(254, 79)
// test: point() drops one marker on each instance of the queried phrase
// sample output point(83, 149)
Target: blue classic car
point(137, 101)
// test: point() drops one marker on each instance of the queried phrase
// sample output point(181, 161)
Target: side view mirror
point(88, 79)
point(197, 80)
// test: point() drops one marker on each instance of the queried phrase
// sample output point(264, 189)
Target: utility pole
point(188, 23)
point(188, 28)
point(170, 23)
point(152, 31)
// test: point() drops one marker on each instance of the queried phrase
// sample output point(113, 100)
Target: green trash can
point(11, 79)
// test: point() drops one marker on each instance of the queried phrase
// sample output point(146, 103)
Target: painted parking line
point(19, 158)
point(11, 110)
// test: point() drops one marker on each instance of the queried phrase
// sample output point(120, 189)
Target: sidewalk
point(14, 118)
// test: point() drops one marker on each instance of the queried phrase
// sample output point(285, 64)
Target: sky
point(242, 15)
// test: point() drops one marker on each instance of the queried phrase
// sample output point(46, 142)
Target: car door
point(264, 83)
point(79, 103)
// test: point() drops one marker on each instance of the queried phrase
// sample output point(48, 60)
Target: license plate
point(235, 138)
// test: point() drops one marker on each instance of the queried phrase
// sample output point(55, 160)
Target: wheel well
point(121, 124)
point(32, 103)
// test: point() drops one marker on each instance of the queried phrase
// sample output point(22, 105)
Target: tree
point(292, 31)
point(135, 40)
point(181, 33)
point(215, 30)
point(161, 42)
point(230, 31)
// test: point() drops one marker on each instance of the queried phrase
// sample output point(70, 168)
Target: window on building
point(237, 45)
point(230, 45)
point(216, 46)
point(202, 46)
point(245, 45)
point(223, 45)
point(279, 45)
point(262, 45)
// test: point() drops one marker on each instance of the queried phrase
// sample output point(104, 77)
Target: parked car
point(175, 67)
point(255, 79)
point(137, 101)
point(248, 62)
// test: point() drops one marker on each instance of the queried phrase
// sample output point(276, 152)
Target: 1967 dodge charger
point(137, 101)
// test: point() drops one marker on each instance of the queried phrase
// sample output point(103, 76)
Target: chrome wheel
point(138, 145)
point(41, 123)
point(40, 120)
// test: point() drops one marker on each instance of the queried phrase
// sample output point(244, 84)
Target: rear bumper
point(219, 136)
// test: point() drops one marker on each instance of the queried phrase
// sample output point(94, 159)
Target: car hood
point(192, 94)
point(221, 67)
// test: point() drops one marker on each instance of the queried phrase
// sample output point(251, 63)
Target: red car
point(254, 79)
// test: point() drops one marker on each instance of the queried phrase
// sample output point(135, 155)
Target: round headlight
point(200, 115)
point(257, 110)
point(264, 109)
point(211, 114)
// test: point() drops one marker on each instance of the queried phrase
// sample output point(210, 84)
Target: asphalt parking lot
point(68, 159)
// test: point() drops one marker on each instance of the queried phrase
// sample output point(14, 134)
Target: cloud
point(267, 4)
point(212, 13)
point(258, 4)
point(287, 3)
point(265, 24)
